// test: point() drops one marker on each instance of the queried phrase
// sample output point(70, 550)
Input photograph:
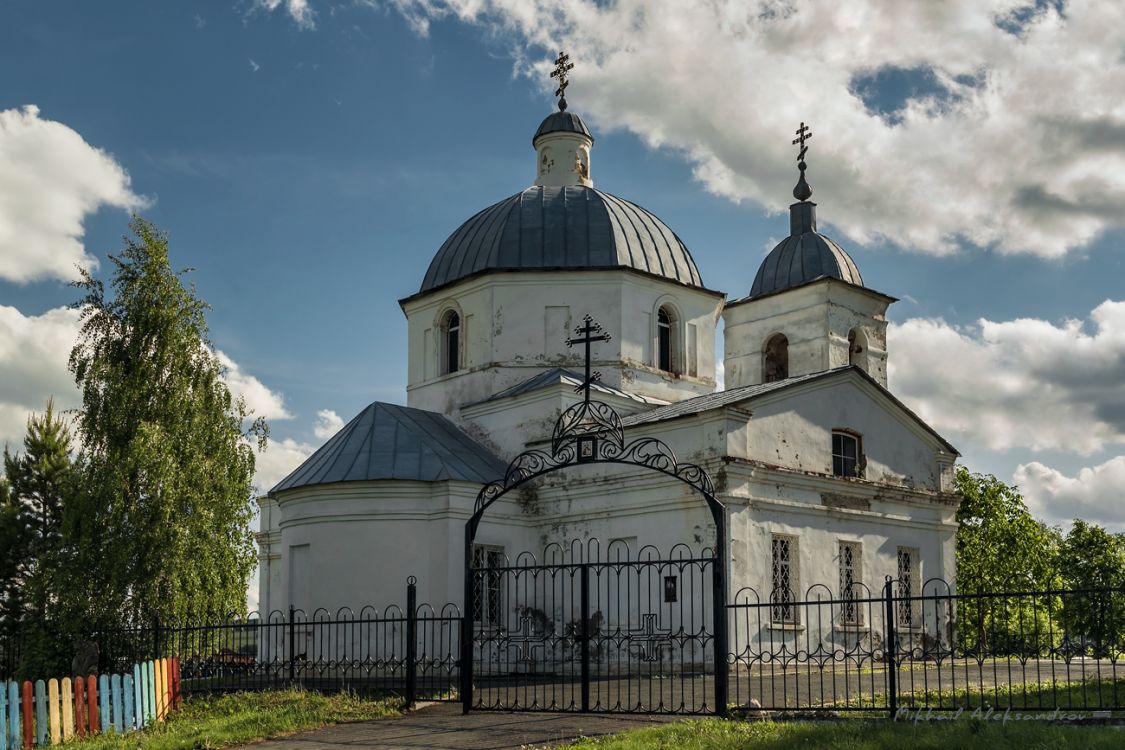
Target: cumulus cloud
point(1003, 129)
point(51, 179)
point(33, 367)
point(299, 10)
point(278, 459)
point(34, 350)
point(328, 423)
point(1022, 383)
point(1093, 494)
point(260, 399)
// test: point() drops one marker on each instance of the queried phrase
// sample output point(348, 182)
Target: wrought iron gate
point(615, 634)
point(609, 633)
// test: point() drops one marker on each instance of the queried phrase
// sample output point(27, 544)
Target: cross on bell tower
point(802, 191)
point(586, 335)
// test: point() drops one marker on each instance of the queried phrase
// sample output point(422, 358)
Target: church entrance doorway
point(593, 627)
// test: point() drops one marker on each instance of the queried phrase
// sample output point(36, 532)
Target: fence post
point(889, 647)
point(155, 638)
point(292, 644)
point(466, 665)
point(411, 640)
point(584, 616)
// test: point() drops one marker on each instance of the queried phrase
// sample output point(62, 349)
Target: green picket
point(128, 687)
point(42, 729)
point(115, 690)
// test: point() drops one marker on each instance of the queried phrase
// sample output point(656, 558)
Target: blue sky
point(308, 159)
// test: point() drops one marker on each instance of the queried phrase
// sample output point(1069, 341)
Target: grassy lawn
point(242, 717)
point(716, 734)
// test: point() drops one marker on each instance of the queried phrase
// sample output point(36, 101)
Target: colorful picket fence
point(56, 711)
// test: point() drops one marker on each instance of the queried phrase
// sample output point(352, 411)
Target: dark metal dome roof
point(546, 228)
point(561, 122)
point(803, 256)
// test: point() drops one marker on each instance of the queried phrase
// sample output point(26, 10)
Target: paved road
point(441, 726)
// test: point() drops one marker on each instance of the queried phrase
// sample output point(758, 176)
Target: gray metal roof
point(712, 401)
point(547, 228)
point(386, 441)
point(803, 256)
point(555, 376)
point(562, 122)
point(720, 399)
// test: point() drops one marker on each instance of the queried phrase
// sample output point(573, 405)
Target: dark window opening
point(487, 595)
point(846, 460)
point(775, 364)
point(664, 339)
point(452, 342)
point(856, 356)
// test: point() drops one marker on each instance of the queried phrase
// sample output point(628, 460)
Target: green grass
point(717, 734)
point(234, 719)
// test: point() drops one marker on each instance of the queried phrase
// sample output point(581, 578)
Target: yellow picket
point(67, 710)
point(53, 711)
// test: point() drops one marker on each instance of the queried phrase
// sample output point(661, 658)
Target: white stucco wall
point(514, 325)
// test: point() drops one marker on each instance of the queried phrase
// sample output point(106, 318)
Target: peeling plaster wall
point(816, 319)
point(514, 325)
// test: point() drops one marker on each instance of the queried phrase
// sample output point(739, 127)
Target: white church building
point(825, 476)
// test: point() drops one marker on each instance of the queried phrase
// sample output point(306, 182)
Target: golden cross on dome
point(562, 66)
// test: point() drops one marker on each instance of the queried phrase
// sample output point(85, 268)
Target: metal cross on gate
point(649, 638)
point(586, 336)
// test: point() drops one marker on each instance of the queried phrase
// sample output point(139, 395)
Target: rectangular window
point(907, 583)
point(783, 610)
point(488, 608)
point(851, 578)
point(845, 454)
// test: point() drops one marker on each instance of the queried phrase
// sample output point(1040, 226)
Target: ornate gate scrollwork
point(590, 432)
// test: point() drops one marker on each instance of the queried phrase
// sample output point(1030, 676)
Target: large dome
point(804, 256)
point(573, 227)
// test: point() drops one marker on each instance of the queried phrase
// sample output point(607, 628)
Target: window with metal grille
point(845, 454)
point(907, 584)
point(488, 608)
point(783, 610)
point(452, 352)
point(664, 339)
point(851, 577)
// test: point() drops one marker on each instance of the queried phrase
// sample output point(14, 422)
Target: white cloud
point(33, 367)
point(1094, 494)
point(34, 350)
point(278, 459)
point(1023, 383)
point(299, 10)
point(261, 400)
point(1017, 141)
point(51, 179)
point(328, 423)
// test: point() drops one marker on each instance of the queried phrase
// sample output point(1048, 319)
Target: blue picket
point(3, 716)
point(129, 693)
point(139, 695)
point(105, 700)
point(115, 689)
point(42, 728)
point(15, 742)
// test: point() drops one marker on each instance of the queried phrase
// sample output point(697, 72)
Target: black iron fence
point(1027, 651)
point(407, 651)
point(899, 651)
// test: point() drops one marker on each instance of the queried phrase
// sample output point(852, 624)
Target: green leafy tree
point(1093, 560)
point(40, 482)
point(1001, 548)
point(161, 528)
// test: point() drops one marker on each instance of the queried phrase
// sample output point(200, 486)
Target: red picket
point(92, 703)
point(28, 722)
point(79, 706)
point(177, 697)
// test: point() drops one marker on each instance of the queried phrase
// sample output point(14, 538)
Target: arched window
point(664, 340)
point(857, 348)
point(451, 349)
point(775, 360)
